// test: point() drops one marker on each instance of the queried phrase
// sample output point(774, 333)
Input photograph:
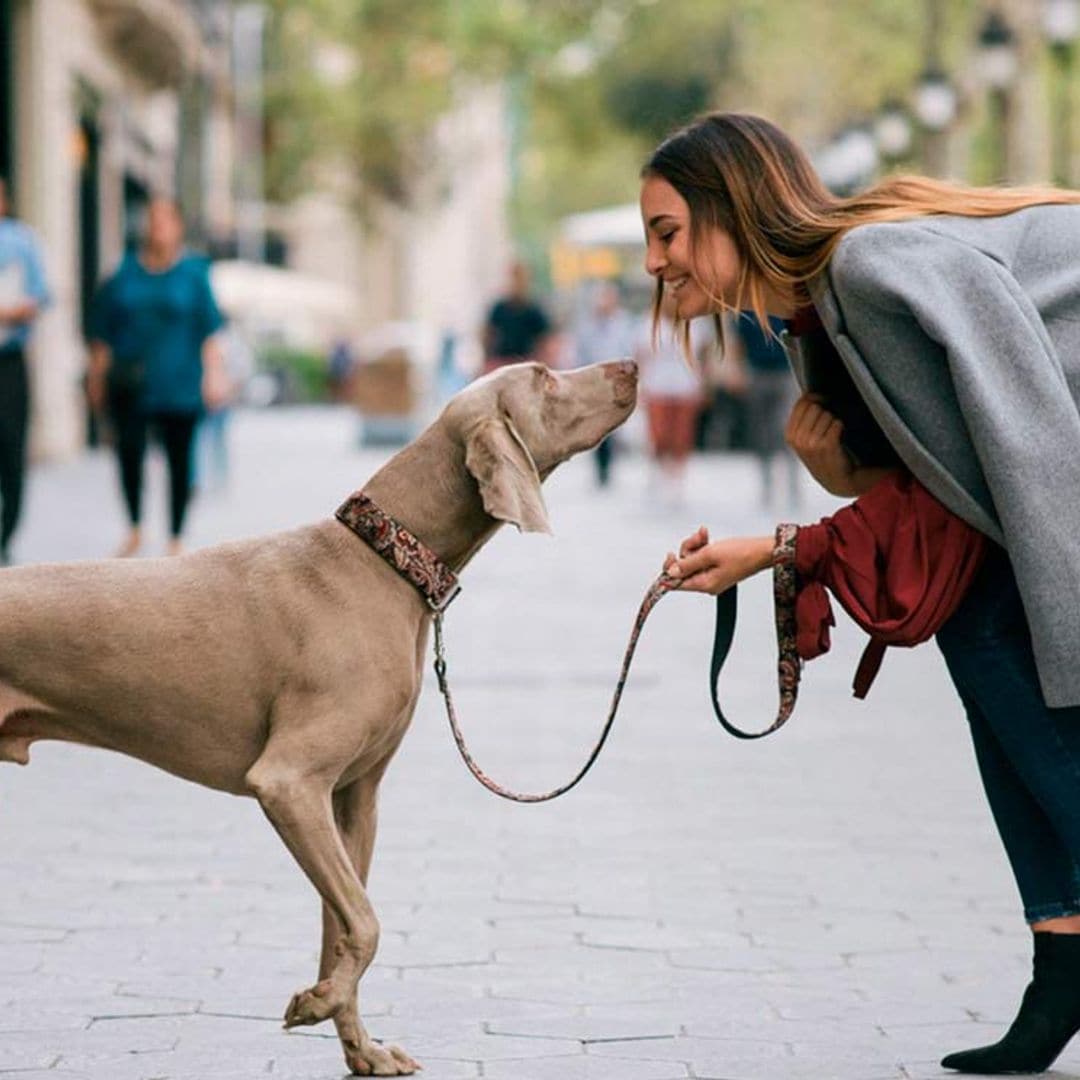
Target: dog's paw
point(313, 1006)
point(371, 1059)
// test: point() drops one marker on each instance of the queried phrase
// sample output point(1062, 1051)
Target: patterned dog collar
point(410, 557)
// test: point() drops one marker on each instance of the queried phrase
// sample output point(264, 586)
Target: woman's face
point(690, 281)
point(164, 226)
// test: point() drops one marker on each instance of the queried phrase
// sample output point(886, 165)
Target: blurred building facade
point(435, 265)
point(104, 103)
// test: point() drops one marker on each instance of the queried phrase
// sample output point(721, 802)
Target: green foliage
point(409, 62)
point(304, 375)
point(655, 103)
point(594, 84)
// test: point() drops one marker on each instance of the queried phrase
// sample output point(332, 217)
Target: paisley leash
point(424, 570)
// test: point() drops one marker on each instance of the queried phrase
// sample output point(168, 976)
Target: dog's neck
point(444, 509)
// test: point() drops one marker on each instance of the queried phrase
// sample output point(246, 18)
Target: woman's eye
point(666, 237)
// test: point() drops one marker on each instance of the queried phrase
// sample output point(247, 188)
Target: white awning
point(610, 226)
point(301, 307)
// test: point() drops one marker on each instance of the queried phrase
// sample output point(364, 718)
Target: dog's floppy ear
point(506, 473)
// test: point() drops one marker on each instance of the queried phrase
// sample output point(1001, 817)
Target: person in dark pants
point(764, 378)
point(23, 293)
point(943, 322)
point(517, 327)
point(155, 362)
point(607, 333)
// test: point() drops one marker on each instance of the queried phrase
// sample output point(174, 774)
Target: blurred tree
point(595, 82)
point(368, 79)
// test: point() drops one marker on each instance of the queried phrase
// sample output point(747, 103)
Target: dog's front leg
point(298, 804)
point(355, 811)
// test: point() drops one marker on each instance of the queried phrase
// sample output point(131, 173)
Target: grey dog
point(288, 667)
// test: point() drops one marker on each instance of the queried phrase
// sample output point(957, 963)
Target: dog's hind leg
point(355, 811)
point(22, 725)
point(15, 740)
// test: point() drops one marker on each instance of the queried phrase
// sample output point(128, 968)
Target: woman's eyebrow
point(656, 219)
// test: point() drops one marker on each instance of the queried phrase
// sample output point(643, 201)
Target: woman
point(673, 392)
point(155, 362)
point(947, 320)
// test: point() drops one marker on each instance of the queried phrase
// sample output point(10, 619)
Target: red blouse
point(898, 562)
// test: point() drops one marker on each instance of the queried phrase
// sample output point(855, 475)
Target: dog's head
point(517, 424)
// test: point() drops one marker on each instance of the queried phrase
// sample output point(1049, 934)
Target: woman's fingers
point(820, 422)
point(692, 543)
point(694, 562)
point(813, 429)
point(697, 582)
point(713, 581)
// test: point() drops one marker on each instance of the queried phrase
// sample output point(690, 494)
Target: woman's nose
point(654, 262)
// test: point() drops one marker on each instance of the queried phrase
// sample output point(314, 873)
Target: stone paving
point(827, 904)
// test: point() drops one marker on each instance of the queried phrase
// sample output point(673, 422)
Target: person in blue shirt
point(761, 371)
point(23, 294)
point(155, 361)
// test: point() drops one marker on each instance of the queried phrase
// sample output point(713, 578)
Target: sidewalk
point(827, 904)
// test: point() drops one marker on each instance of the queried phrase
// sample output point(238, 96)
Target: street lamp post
point(849, 161)
point(249, 27)
point(997, 62)
point(892, 131)
point(935, 108)
point(1061, 25)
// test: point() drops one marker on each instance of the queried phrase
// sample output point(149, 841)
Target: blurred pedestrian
point(939, 328)
point(608, 332)
point(23, 294)
point(449, 378)
point(340, 369)
point(672, 388)
point(759, 369)
point(155, 361)
point(210, 466)
point(516, 328)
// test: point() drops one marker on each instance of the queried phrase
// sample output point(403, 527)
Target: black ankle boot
point(1049, 1014)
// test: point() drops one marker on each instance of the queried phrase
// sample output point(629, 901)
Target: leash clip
point(439, 606)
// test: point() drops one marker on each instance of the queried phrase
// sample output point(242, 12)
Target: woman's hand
point(18, 314)
point(714, 568)
point(216, 386)
point(215, 389)
point(814, 434)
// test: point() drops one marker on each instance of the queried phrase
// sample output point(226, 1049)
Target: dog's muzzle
point(624, 374)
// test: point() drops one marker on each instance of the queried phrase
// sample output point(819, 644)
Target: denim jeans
point(1028, 754)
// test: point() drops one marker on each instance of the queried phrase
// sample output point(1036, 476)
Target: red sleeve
point(898, 562)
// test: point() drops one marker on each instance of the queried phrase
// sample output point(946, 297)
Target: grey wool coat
point(962, 335)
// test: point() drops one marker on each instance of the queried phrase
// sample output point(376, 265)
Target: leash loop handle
point(789, 666)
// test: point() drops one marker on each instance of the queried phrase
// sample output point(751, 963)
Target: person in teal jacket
point(155, 362)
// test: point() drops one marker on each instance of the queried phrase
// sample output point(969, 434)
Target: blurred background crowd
point(394, 197)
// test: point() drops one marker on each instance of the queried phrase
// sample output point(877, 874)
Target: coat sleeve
point(1010, 388)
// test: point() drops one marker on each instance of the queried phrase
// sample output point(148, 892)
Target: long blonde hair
point(742, 174)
